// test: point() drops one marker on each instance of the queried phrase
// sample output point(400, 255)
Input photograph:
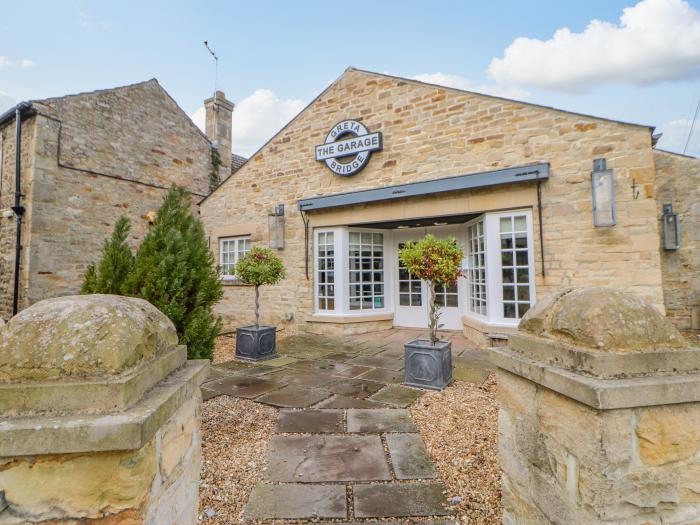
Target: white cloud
point(655, 41)
point(675, 135)
point(256, 119)
point(455, 81)
point(24, 63)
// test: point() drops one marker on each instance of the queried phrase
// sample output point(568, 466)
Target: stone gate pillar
point(99, 415)
point(599, 417)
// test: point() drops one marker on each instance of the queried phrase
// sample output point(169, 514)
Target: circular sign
point(348, 147)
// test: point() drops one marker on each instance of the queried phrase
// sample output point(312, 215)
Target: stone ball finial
point(602, 319)
point(82, 337)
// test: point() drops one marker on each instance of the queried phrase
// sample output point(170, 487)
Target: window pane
point(507, 258)
point(508, 293)
point(509, 310)
point(523, 293)
point(367, 254)
point(507, 275)
point(506, 224)
point(520, 224)
point(404, 299)
point(521, 258)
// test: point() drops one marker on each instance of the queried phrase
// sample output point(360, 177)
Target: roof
point(236, 162)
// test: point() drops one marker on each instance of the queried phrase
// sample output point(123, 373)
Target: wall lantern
point(603, 187)
point(672, 230)
point(275, 226)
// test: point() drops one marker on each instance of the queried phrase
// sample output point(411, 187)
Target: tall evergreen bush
point(110, 274)
point(175, 271)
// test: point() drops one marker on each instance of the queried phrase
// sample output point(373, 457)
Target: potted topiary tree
point(260, 266)
point(428, 362)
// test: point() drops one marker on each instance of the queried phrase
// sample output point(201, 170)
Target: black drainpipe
point(18, 209)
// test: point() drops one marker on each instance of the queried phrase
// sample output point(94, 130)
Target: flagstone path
point(345, 446)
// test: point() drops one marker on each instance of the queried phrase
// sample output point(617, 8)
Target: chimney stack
point(218, 123)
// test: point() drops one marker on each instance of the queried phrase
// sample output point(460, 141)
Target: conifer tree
point(111, 273)
point(175, 271)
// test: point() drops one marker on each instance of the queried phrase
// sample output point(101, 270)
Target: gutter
point(20, 111)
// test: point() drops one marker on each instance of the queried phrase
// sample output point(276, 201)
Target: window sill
point(234, 282)
point(349, 318)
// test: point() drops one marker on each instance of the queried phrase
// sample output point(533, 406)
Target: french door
point(412, 295)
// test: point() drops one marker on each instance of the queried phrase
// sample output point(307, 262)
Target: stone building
point(376, 160)
point(85, 160)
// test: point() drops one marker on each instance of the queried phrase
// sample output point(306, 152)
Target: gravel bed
point(460, 428)
point(235, 434)
point(224, 348)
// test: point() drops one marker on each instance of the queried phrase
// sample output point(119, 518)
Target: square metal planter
point(256, 343)
point(428, 365)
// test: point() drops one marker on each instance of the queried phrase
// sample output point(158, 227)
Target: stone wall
point(8, 225)
point(678, 184)
point(94, 157)
point(599, 419)
point(102, 426)
point(430, 133)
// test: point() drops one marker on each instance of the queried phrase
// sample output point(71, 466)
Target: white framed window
point(500, 267)
point(325, 270)
point(476, 263)
point(366, 271)
point(231, 249)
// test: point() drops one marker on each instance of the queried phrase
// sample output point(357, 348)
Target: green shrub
point(111, 273)
point(437, 261)
point(175, 271)
point(260, 266)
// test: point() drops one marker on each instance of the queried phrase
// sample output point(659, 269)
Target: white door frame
point(417, 316)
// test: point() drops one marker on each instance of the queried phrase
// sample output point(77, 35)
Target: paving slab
point(390, 363)
point(470, 375)
point(208, 394)
point(382, 375)
point(410, 457)
point(393, 353)
point(232, 366)
point(294, 396)
point(473, 358)
point(310, 421)
point(298, 377)
point(357, 388)
point(392, 500)
point(296, 501)
point(244, 386)
point(397, 396)
point(318, 458)
point(349, 371)
point(380, 420)
point(282, 360)
point(338, 401)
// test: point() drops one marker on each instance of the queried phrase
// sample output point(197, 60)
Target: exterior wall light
point(603, 188)
point(275, 226)
point(672, 229)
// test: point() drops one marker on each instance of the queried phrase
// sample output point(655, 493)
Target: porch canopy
point(484, 179)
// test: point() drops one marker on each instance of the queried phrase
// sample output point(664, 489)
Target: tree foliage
point(260, 266)
point(175, 271)
point(437, 261)
point(110, 274)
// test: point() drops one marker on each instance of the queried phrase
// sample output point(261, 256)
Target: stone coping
point(349, 319)
point(601, 394)
point(128, 430)
point(605, 364)
point(94, 396)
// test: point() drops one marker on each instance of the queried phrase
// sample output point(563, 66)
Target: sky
point(637, 61)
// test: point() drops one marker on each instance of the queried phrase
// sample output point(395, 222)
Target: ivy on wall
point(214, 179)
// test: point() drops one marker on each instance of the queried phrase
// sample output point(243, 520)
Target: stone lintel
point(128, 430)
point(601, 394)
point(95, 396)
point(606, 365)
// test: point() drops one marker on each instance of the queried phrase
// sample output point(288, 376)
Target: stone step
point(296, 501)
point(395, 500)
point(318, 458)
